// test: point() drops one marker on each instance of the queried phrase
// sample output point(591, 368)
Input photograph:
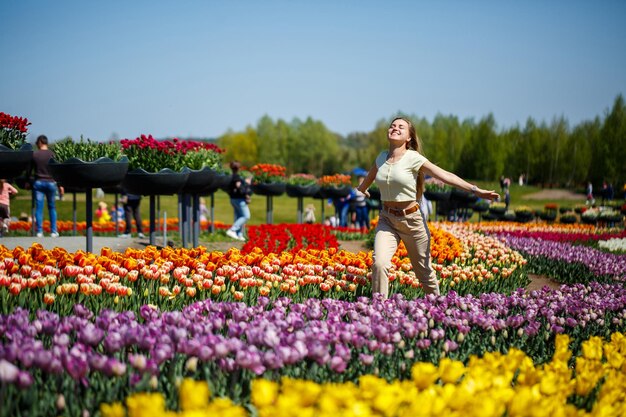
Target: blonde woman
point(399, 174)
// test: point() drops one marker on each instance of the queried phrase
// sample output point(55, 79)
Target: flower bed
point(320, 340)
point(293, 329)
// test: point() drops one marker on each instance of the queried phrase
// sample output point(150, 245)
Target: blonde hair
point(416, 144)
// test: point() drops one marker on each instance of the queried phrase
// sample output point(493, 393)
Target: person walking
point(44, 187)
point(132, 210)
point(239, 192)
point(399, 174)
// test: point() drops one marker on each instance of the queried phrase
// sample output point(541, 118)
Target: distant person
point(6, 191)
point(44, 187)
point(239, 192)
point(589, 194)
point(132, 211)
point(502, 185)
point(361, 209)
point(117, 213)
point(309, 214)
point(609, 192)
point(507, 198)
point(427, 207)
point(102, 213)
point(520, 180)
point(204, 211)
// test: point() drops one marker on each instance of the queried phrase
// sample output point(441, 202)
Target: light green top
point(398, 181)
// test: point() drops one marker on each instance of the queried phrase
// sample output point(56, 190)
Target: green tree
point(609, 161)
point(240, 146)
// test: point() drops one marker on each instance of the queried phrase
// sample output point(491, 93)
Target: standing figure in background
point(44, 187)
point(360, 206)
point(239, 192)
point(309, 214)
point(132, 210)
point(204, 211)
point(6, 191)
point(589, 194)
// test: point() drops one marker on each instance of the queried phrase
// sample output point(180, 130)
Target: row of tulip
point(111, 354)
point(171, 278)
point(66, 227)
point(569, 263)
point(489, 386)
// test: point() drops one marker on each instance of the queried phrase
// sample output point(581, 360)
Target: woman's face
point(399, 131)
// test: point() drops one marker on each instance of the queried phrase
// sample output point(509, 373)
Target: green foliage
point(201, 158)
point(11, 138)
point(302, 179)
point(546, 153)
point(87, 150)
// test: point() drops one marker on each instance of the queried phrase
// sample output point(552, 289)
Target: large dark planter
point(497, 211)
point(117, 189)
point(464, 198)
point(548, 216)
point(481, 206)
point(269, 189)
point(437, 195)
point(589, 220)
point(78, 174)
point(524, 217)
point(336, 192)
point(218, 182)
point(14, 162)
point(199, 181)
point(164, 182)
point(302, 190)
point(567, 219)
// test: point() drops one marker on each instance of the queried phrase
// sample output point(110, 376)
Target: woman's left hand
point(487, 194)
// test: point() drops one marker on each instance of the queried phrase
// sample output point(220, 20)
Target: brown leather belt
point(398, 212)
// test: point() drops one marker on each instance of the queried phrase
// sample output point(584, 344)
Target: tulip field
point(287, 326)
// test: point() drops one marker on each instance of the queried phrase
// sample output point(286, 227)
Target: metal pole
point(268, 209)
point(73, 214)
point(188, 225)
point(89, 219)
point(300, 204)
point(164, 228)
point(117, 220)
point(212, 229)
point(32, 212)
point(152, 219)
point(181, 230)
point(196, 220)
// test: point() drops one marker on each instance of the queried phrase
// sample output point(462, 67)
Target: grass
point(284, 207)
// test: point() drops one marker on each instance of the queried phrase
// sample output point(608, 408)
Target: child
point(309, 214)
point(102, 213)
point(6, 190)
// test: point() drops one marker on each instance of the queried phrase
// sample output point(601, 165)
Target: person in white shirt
point(399, 174)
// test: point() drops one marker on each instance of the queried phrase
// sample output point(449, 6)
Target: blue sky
point(199, 68)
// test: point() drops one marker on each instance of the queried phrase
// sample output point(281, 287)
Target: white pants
point(413, 231)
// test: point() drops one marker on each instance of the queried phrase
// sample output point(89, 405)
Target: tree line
point(553, 153)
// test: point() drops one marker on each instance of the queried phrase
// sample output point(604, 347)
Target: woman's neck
point(397, 150)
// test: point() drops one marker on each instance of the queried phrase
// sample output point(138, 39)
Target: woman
point(399, 174)
point(44, 187)
point(238, 191)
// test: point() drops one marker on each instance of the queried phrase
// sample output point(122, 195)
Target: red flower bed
point(277, 238)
